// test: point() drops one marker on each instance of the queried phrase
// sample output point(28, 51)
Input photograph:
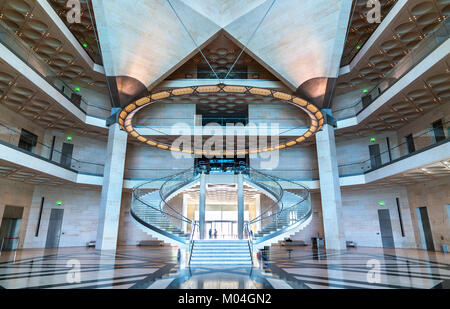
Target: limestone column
point(330, 189)
point(240, 182)
point(109, 212)
point(202, 206)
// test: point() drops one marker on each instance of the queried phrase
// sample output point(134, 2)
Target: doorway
point(66, 156)
point(27, 141)
point(375, 157)
point(225, 229)
point(10, 228)
point(438, 131)
point(54, 228)
point(425, 228)
point(410, 147)
point(387, 237)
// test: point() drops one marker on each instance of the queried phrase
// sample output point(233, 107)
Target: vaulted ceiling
point(143, 42)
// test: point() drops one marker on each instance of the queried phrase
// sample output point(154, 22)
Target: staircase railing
point(192, 241)
point(287, 208)
point(249, 233)
point(167, 211)
point(273, 188)
point(172, 185)
point(293, 214)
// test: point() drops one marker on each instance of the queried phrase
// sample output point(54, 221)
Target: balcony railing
point(423, 141)
point(10, 137)
point(28, 55)
point(410, 61)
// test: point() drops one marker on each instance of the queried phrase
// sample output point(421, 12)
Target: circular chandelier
point(129, 111)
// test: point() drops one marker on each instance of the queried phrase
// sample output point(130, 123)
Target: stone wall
point(435, 196)
point(80, 218)
point(16, 194)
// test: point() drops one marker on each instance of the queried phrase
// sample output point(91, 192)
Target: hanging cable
point(251, 37)
point(193, 40)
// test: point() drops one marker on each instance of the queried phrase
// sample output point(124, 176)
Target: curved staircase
point(153, 212)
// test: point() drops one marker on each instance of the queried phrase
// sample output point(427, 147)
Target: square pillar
point(330, 190)
point(109, 212)
point(202, 206)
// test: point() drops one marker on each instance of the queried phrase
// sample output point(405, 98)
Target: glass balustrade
point(11, 137)
point(422, 140)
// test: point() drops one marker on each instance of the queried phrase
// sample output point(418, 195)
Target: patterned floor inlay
point(280, 268)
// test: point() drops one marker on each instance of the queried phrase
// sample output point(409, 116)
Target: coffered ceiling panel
point(41, 38)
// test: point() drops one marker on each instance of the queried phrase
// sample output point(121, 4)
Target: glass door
point(221, 229)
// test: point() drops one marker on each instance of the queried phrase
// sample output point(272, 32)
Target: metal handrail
point(256, 177)
point(157, 209)
point(192, 241)
point(276, 179)
point(250, 239)
point(274, 234)
point(303, 198)
point(278, 197)
point(166, 195)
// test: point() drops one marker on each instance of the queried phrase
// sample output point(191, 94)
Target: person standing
point(215, 233)
point(210, 233)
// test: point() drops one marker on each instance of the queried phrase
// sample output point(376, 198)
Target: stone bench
point(150, 243)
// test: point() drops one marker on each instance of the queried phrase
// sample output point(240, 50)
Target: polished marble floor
point(279, 268)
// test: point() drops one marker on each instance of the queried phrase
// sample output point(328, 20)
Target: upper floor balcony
point(417, 156)
point(426, 54)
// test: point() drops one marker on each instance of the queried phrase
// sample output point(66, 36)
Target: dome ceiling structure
point(295, 40)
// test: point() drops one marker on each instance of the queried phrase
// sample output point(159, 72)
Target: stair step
point(228, 258)
point(215, 252)
point(220, 263)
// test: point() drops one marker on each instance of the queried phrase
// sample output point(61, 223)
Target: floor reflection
point(218, 278)
point(277, 268)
